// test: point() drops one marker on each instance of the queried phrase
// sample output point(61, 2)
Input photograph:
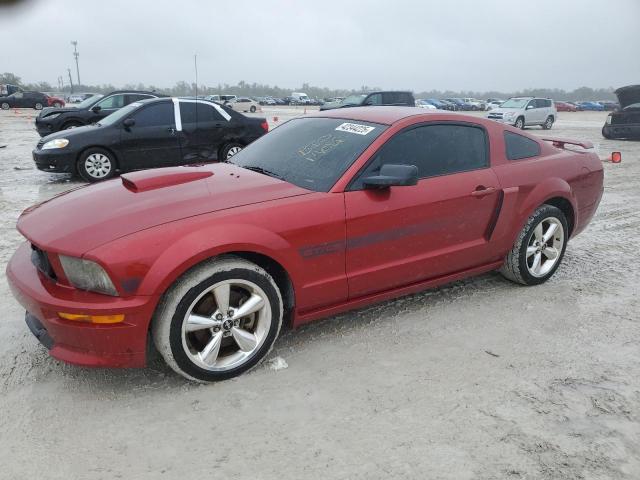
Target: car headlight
point(87, 275)
point(509, 114)
point(52, 116)
point(57, 143)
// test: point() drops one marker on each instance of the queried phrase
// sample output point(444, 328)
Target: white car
point(523, 112)
point(243, 104)
point(425, 104)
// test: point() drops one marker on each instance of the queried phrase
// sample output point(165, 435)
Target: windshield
point(119, 114)
point(353, 100)
point(311, 153)
point(515, 103)
point(89, 101)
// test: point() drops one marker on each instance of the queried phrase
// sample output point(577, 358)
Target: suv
point(526, 111)
point(92, 110)
point(373, 99)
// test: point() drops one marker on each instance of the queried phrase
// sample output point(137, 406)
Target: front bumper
point(55, 160)
point(621, 130)
point(44, 129)
point(93, 345)
point(507, 121)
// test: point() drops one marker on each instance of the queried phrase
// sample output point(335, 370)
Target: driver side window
point(114, 101)
point(435, 149)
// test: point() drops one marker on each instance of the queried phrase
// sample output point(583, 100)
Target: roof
point(382, 114)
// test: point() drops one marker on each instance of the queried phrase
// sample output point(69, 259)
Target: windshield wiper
point(264, 172)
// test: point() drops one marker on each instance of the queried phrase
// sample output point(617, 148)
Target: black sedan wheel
point(5, 106)
point(230, 150)
point(96, 164)
point(38, 106)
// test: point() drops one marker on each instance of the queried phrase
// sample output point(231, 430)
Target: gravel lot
point(481, 379)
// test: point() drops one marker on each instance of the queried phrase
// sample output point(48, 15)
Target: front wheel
point(96, 164)
point(218, 320)
point(548, 123)
point(57, 105)
point(519, 123)
point(539, 248)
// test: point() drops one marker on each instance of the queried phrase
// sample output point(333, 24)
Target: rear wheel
point(218, 320)
point(253, 109)
point(96, 164)
point(548, 123)
point(539, 248)
point(57, 105)
point(229, 151)
point(38, 106)
point(519, 123)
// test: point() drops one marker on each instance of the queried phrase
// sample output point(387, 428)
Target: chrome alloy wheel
point(545, 246)
point(232, 151)
point(226, 325)
point(98, 165)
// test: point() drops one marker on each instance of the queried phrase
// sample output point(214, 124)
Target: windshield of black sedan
point(311, 153)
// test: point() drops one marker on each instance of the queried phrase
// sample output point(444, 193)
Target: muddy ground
point(481, 379)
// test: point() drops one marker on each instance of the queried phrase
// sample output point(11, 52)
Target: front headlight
point(57, 143)
point(87, 275)
point(509, 114)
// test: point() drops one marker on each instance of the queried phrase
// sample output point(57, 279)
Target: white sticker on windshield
point(355, 128)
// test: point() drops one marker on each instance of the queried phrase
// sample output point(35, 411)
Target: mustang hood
point(79, 220)
point(628, 95)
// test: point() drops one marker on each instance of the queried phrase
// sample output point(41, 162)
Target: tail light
point(265, 126)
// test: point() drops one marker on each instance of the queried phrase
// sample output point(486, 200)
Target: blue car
point(591, 106)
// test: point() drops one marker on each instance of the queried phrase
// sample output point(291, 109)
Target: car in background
point(524, 112)
point(228, 98)
point(446, 105)
point(90, 111)
point(609, 106)
point(625, 122)
point(243, 104)
point(79, 97)
point(298, 98)
point(591, 106)
point(386, 98)
point(329, 212)
point(460, 104)
point(425, 104)
point(159, 132)
point(212, 98)
point(493, 103)
point(439, 104)
point(54, 101)
point(565, 107)
point(267, 101)
point(476, 105)
point(21, 99)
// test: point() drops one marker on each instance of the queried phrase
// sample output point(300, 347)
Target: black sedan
point(35, 100)
point(92, 110)
point(147, 134)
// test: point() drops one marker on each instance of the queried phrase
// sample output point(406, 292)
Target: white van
point(299, 98)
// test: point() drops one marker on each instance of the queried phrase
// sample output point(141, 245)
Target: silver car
point(526, 111)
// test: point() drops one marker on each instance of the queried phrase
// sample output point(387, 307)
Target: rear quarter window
point(519, 147)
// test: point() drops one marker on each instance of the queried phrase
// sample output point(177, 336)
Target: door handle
point(172, 130)
point(482, 191)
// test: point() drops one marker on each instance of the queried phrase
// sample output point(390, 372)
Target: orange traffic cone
point(275, 119)
point(616, 157)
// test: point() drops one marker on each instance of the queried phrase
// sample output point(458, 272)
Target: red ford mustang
point(326, 213)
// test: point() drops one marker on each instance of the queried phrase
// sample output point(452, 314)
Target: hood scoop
point(162, 177)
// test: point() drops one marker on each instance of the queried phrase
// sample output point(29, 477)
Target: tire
point(520, 263)
point(253, 109)
point(519, 123)
point(548, 123)
point(70, 125)
point(5, 106)
point(606, 135)
point(229, 150)
point(211, 352)
point(57, 105)
point(38, 106)
point(96, 165)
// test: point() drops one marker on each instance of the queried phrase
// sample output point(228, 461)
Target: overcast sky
point(478, 45)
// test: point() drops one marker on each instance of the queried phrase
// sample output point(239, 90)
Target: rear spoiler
point(561, 142)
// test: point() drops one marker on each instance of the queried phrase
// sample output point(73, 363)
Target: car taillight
point(265, 126)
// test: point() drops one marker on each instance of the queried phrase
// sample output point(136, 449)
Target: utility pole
point(76, 55)
point(70, 79)
point(60, 84)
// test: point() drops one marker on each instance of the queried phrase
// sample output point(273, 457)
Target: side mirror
point(129, 122)
point(393, 176)
point(96, 109)
point(529, 107)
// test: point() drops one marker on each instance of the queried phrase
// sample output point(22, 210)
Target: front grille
point(494, 115)
point(41, 261)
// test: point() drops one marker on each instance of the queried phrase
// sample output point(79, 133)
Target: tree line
point(254, 89)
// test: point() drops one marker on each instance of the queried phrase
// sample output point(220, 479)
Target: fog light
point(78, 317)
